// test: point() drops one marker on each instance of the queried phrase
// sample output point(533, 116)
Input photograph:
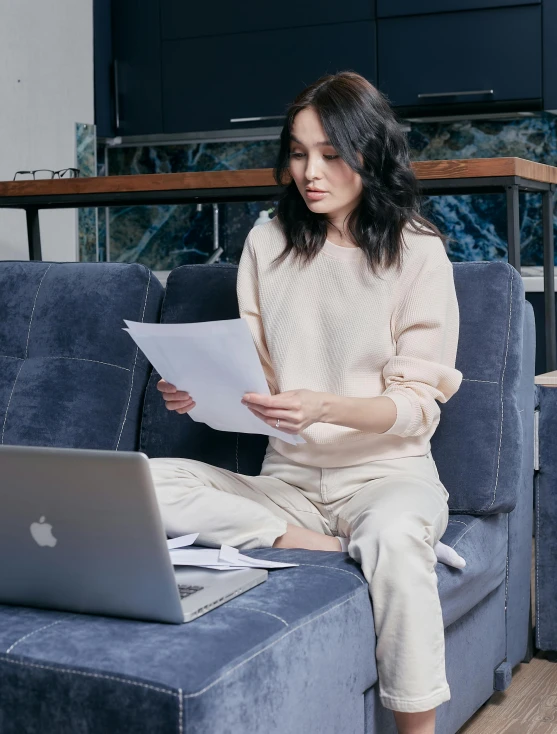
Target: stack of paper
point(224, 559)
point(217, 363)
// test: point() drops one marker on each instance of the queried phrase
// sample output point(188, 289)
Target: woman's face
point(315, 164)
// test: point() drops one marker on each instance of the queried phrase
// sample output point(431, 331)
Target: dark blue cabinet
point(103, 70)
point(496, 53)
point(209, 82)
point(550, 56)
point(390, 8)
point(167, 66)
point(192, 19)
point(136, 48)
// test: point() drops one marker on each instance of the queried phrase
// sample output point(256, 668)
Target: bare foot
point(296, 537)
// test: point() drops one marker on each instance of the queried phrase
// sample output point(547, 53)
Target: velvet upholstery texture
point(519, 566)
point(69, 376)
point(478, 444)
point(293, 654)
point(546, 522)
point(294, 651)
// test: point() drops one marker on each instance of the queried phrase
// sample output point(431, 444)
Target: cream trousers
point(393, 511)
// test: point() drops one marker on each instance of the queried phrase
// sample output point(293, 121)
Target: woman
point(350, 298)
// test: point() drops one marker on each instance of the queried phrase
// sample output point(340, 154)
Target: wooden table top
point(261, 177)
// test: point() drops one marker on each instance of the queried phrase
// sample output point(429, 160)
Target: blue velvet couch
point(294, 655)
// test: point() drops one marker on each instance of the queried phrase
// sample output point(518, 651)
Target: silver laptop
point(81, 531)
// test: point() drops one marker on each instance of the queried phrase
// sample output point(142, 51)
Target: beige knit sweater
point(332, 326)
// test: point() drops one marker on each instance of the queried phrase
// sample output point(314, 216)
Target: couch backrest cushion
point(477, 445)
point(198, 293)
point(69, 375)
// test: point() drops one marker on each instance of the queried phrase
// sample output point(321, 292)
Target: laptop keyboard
point(186, 590)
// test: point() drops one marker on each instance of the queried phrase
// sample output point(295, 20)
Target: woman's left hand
point(297, 409)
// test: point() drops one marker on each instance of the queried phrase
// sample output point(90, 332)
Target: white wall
point(46, 86)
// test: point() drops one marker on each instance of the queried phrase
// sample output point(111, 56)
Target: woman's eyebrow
point(322, 142)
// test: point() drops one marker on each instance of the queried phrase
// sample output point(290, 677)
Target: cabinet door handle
point(116, 95)
point(455, 94)
point(254, 119)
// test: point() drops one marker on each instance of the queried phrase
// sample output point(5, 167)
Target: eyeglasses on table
point(46, 173)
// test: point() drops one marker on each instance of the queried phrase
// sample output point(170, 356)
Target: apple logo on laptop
point(42, 533)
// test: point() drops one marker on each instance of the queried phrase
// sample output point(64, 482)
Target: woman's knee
point(164, 468)
point(395, 540)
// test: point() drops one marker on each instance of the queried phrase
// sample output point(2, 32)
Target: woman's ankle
point(422, 722)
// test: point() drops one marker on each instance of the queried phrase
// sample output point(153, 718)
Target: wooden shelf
point(262, 177)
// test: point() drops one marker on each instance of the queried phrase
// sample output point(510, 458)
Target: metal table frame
point(510, 185)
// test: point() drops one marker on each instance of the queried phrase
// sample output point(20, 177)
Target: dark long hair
point(357, 118)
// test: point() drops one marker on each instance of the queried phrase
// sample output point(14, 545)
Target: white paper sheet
point(216, 362)
point(212, 558)
point(182, 541)
point(233, 555)
point(226, 558)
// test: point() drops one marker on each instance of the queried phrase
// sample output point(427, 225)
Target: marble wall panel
point(163, 237)
point(477, 224)
point(86, 161)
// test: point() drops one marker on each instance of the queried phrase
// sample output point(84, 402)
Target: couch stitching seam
point(33, 632)
point(472, 525)
point(180, 711)
point(331, 568)
point(267, 647)
point(10, 400)
point(469, 379)
point(262, 611)
point(87, 674)
point(501, 391)
point(79, 359)
point(134, 363)
point(33, 311)
point(83, 359)
point(537, 556)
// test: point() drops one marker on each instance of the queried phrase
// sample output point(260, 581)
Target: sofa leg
point(502, 676)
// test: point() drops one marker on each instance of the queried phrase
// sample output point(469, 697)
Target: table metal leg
point(549, 280)
point(33, 233)
point(513, 227)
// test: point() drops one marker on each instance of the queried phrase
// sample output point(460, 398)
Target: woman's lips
point(315, 195)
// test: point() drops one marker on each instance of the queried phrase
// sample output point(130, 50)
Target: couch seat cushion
point(482, 542)
point(292, 651)
point(293, 654)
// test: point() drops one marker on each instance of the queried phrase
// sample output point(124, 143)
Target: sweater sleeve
point(247, 291)
point(423, 370)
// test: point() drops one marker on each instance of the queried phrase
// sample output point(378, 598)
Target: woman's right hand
point(176, 400)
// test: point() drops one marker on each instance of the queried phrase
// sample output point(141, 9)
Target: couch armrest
point(545, 488)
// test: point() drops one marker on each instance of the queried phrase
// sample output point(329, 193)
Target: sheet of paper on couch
point(217, 363)
point(224, 558)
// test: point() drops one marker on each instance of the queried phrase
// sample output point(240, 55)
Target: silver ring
point(278, 421)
